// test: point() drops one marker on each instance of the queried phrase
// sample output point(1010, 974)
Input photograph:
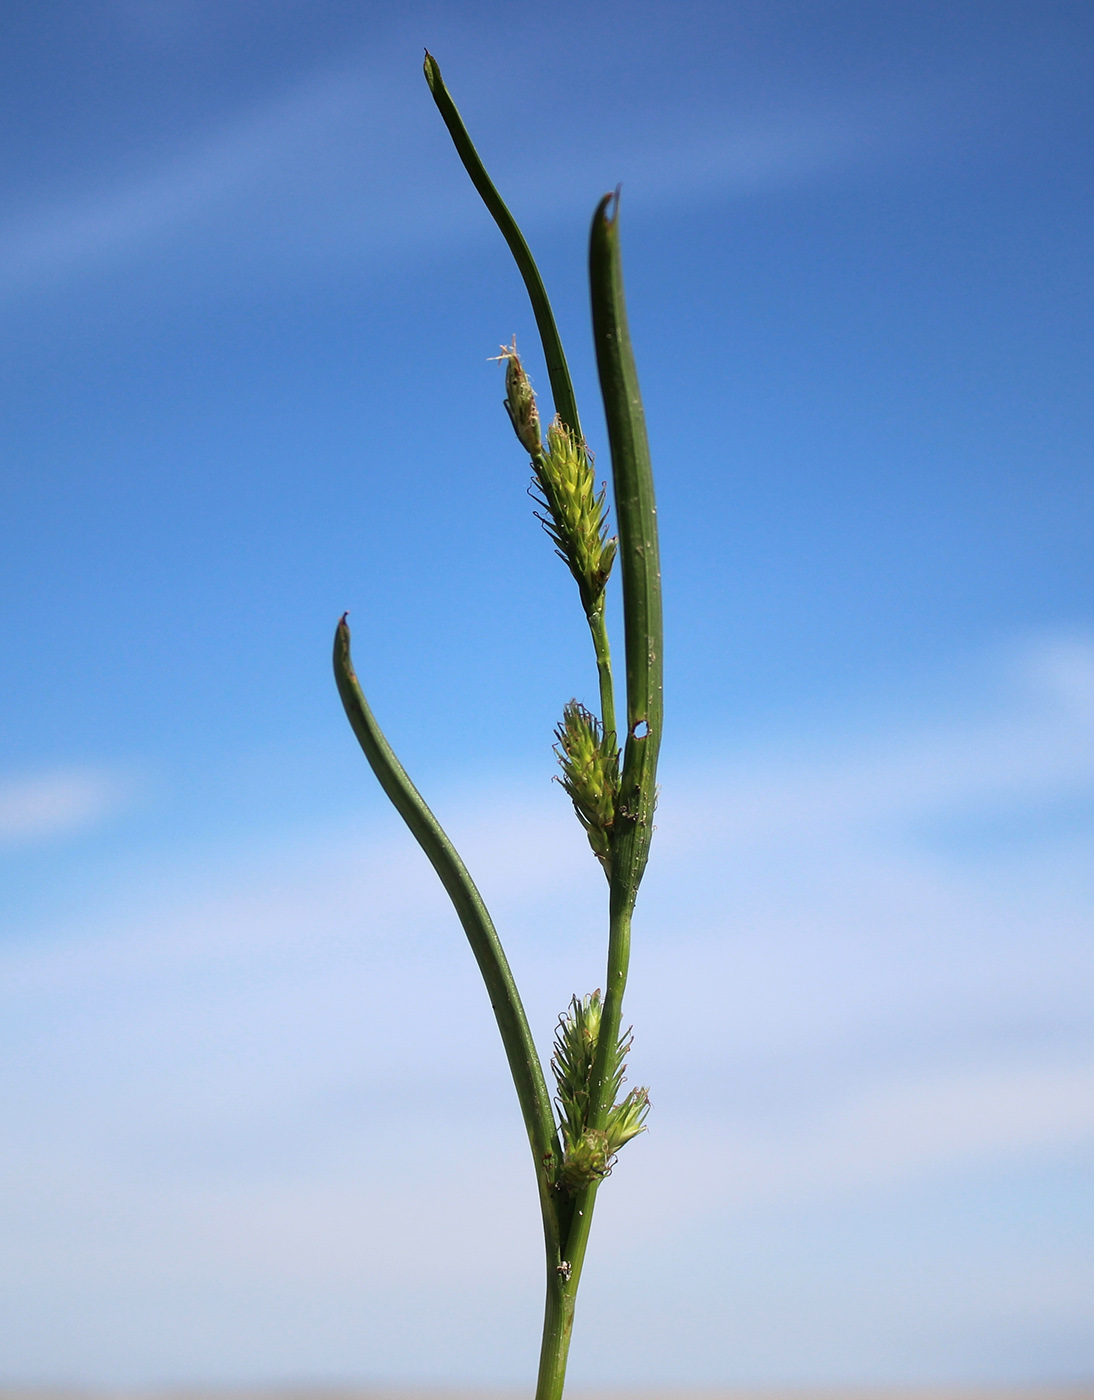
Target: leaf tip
point(607, 211)
point(341, 642)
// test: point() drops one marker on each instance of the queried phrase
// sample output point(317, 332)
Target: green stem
point(520, 1050)
point(562, 390)
point(638, 554)
point(619, 957)
point(558, 1315)
point(558, 1327)
point(636, 516)
point(599, 629)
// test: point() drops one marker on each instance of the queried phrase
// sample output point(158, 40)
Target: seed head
point(587, 1152)
point(577, 513)
point(572, 1063)
point(589, 761)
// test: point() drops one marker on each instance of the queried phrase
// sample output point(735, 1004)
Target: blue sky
point(249, 300)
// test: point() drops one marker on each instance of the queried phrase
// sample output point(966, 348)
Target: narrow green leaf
point(639, 559)
point(640, 572)
point(520, 1050)
point(561, 387)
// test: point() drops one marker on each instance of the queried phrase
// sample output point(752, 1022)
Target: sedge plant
point(608, 772)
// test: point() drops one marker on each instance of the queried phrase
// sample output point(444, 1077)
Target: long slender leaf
point(639, 558)
point(520, 1050)
point(562, 389)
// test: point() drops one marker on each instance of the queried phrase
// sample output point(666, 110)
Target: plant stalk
point(598, 627)
point(558, 1327)
point(639, 560)
point(558, 1316)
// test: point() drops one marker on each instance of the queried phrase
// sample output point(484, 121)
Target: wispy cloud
point(827, 1004)
point(123, 218)
point(1034, 751)
point(898, 1131)
point(53, 804)
point(345, 164)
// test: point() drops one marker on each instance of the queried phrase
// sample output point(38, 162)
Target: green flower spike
point(590, 775)
point(588, 1152)
point(578, 513)
point(627, 1118)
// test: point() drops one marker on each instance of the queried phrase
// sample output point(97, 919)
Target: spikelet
point(520, 401)
point(588, 1152)
point(577, 513)
point(590, 774)
point(627, 1118)
point(572, 1063)
point(588, 1160)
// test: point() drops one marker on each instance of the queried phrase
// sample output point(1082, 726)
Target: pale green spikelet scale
point(589, 761)
point(588, 1152)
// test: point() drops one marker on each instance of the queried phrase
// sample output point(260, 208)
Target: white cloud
point(346, 163)
point(287, 1083)
point(897, 1131)
point(248, 153)
point(50, 804)
point(1040, 747)
point(1060, 670)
